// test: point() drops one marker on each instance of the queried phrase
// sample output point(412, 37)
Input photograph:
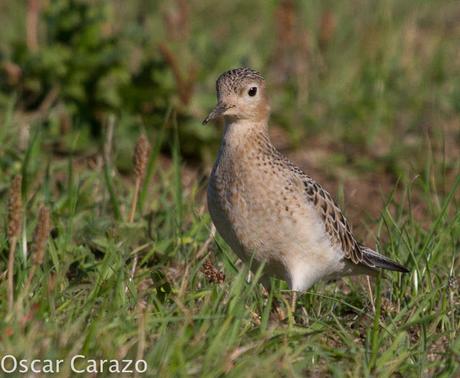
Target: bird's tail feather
point(377, 260)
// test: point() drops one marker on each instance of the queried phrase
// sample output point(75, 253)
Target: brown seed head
point(14, 208)
point(212, 273)
point(141, 154)
point(42, 232)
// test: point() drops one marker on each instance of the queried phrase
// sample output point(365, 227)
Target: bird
point(272, 215)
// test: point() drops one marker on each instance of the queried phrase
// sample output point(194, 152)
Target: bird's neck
point(243, 135)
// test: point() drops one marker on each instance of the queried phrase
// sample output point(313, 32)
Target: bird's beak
point(218, 111)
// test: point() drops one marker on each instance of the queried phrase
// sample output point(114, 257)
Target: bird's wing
point(339, 229)
point(335, 222)
point(337, 226)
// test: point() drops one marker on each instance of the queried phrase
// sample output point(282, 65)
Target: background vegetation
point(365, 97)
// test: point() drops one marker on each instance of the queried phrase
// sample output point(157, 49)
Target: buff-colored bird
point(266, 208)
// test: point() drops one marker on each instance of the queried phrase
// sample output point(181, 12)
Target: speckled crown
point(232, 80)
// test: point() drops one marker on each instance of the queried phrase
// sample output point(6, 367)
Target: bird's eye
point(252, 91)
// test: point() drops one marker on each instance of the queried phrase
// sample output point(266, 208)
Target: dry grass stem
point(14, 208)
point(33, 13)
point(41, 234)
point(141, 308)
point(327, 29)
point(141, 155)
point(184, 85)
point(371, 296)
point(14, 229)
point(204, 248)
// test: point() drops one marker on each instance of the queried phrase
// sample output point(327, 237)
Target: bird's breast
point(248, 207)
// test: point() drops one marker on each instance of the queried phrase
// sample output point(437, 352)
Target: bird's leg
point(278, 311)
point(293, 301)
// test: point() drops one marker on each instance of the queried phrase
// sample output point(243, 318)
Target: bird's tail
point(377, 260)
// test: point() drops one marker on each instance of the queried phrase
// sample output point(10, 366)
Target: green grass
point(381, 111)
point(78, 303)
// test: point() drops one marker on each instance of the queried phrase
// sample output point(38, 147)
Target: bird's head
point(240, 96)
